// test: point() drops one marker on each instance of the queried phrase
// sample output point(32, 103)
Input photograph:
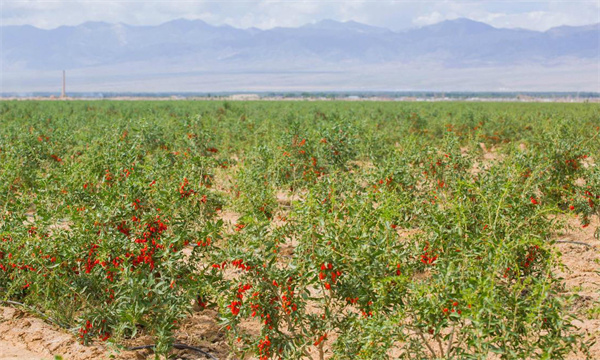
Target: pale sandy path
point(13, 351)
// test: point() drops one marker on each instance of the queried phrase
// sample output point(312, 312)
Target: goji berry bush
point(362, 230)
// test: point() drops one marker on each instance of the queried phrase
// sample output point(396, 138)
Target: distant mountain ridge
point(189, 55)
point(459, 42)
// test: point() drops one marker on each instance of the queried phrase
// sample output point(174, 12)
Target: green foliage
point(375, 230)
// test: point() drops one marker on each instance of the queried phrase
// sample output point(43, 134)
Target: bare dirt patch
point(25, 337)
point(579, 254)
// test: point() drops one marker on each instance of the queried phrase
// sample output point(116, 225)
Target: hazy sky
point(394, 14)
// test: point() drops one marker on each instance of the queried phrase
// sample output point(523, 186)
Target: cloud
point(541, 15)
point(394, 14)
point(434, 17)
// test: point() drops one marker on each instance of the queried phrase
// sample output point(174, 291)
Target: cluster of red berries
point(320, 339)
point(531, 255)
point(204, 243)
point(235, 307)
point(453, 309)
point(287, 305)
point(427, 257)
point(184, 190)
point(264, 348)
point(91, 262)
point(334, 274)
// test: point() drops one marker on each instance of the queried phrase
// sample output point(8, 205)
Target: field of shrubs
point(344, 230)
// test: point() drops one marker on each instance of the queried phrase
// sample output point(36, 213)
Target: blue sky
point(264, 14)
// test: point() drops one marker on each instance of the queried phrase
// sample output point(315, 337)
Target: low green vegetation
point(371, 230)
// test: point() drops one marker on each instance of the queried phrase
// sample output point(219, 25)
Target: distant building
point(244, 97)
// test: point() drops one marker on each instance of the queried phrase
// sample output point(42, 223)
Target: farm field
point(299, 230)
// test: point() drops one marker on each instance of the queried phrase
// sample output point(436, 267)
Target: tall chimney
point(63, 95)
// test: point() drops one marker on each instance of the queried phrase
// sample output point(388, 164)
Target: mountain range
point(98, 55)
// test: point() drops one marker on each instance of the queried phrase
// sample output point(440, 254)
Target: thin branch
point(572, 242)
point(426, 343)
point(450, 341)
point(440, 345)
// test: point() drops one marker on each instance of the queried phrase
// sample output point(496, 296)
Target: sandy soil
point(14, 351)
point(580, 277)
point(23, 336)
